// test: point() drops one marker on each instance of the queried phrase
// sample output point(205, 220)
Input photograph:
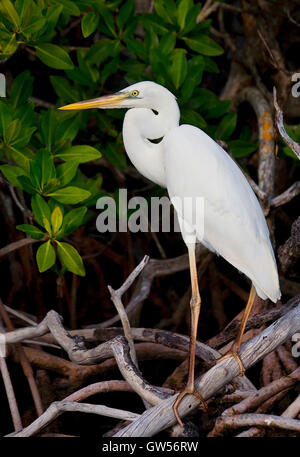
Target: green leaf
point(70, 195)
point(167, 43)
point(13, 131)
point(179, 68)
point(171, 9)
point(89, 24)
point(67, 130)
point(48, 125)
point(52, 16)
point(22, 157)
point(36, 25)
point(195, 72)
point(69, 7)
point(182, 11)
point(42, 168)
point(73, 220)
point(81, 154)
point(108, 19)
point(193, 118)
point(9, 46)
point(289, 153)
point(31, 230)
point(8, 10)
point(151, 21)
point(109, 69)
point(6, 115)
point(23, 137)
point(56, 219)
point(54, 203)
point(11, 173)
point(204, 45)
point(70, 258)
point(66, 172)
point(47, 226)
point(124, 14)
point(21, 88)
point(163, 12)
point(40, 210)
point(26, 184)
point(101, 50)
point(210, 65)
point(45, 256)
point(242, 148)
point(54, 56)
point(115, 155)
point(191, 19)
point(226, 127)
point(25, 113)
point(63, 88)
point(136, 47)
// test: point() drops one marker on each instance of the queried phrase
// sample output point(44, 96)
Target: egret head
point(145, 94)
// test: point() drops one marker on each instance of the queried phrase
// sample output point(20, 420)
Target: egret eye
point(135, 93)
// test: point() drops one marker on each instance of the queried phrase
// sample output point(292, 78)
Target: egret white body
point(190, 164)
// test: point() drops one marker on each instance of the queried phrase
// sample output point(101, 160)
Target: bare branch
point(266, 138)
point(289, 252)
point(161, 416)
point(17, 245)
point(252, 402)
point(116, 296)
point(58, 407)
point(287, 195)
point(293, 410)
point(153, 269)
point(13, 406)
point(131, 374)
point(261, 420)
point(295, 147)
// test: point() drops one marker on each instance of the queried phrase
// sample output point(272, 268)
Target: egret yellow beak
point(107, 101)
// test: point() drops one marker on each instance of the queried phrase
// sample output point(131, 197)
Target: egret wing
point(234, 224)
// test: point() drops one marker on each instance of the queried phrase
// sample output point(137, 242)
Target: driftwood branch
point(287, 195)
point(17, 245)
point(26, 367)
point(266, 137)
point(261, 420)
point(116, 296)
point(289, 252)
point(161, 416)
point(58, 407)
point(13, 406)
point(154, 268)
point(131, 374)
point(256, 399)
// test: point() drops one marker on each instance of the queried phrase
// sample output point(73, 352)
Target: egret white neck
point(141, 125)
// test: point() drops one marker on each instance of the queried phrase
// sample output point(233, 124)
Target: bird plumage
point(234, 224)
point(190, 164)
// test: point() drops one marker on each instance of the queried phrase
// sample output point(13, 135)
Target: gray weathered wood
point(161, 416)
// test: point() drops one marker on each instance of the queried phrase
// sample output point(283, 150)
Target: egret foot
point(187, 391)
point(234, 352)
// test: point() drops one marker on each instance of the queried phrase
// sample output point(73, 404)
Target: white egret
point(190, 164)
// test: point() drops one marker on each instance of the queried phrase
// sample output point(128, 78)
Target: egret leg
point(195, 305)
point(235, 348)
